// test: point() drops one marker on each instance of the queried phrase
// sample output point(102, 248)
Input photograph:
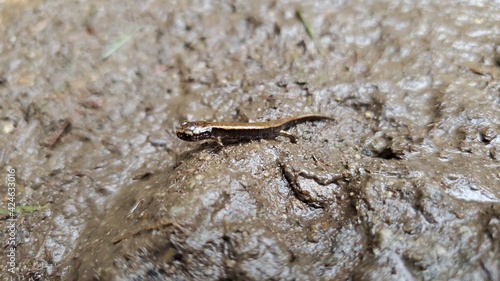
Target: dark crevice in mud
point(388, 154)
point(496, 58)
point(291, 179)
point(487, 136)
point(142, 176)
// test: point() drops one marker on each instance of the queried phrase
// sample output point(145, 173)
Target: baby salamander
point(224, 132)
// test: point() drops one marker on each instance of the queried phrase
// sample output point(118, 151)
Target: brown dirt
point(404, 185)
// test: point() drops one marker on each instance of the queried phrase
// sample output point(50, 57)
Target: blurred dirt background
point(404, 185)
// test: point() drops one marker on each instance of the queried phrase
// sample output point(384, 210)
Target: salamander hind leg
point(292, 137)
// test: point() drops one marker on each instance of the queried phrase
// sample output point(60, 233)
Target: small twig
point(59, 132)
point(307, 27)
point(117, 45)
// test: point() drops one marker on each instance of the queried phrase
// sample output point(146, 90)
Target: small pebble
point(7, 127)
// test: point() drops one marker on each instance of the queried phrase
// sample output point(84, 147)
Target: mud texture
point(403, 185)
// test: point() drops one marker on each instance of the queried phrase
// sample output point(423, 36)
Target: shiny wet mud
point(403, 185)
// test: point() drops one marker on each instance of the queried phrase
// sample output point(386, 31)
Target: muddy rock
point(403, 184)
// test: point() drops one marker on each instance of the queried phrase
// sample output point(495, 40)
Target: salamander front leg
point(292, 137)
point(219, 142)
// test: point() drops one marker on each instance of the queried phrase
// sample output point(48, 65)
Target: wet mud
point(403, 184)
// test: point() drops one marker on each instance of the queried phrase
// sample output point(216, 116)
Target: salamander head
point(194, 131)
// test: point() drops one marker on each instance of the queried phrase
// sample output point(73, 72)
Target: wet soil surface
point(404, 184)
